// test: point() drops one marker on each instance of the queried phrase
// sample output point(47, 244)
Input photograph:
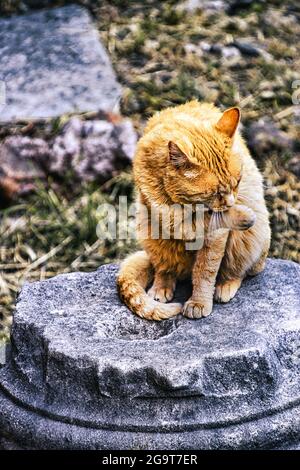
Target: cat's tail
point(135, 274)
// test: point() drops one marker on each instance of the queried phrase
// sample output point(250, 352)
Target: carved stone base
point(85, 373)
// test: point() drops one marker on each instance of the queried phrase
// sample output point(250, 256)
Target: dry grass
point(150, 46)
point(49, 234)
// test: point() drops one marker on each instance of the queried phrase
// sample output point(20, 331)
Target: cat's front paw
point(242, 218)
point(197, 309)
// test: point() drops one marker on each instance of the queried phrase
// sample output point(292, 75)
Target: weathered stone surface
point(214, 5)
point(231, 6)
point(86, 373)
point(53, 63)
point(264, 137)
point(93, 150)
point(87, 150)
point(294, 165)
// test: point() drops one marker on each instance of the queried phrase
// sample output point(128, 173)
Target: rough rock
point(89, 150)
point(230, 6)
point(294, 165)
point(22, 162)
point(252, 50)
point(247, 48)
point(207, 5)
point(264, 137)
point(84, 373)
point(23, 158)
point(93, 150)
point(52, 62)
point(229, 52)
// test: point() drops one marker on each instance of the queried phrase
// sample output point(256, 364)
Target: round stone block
point(83, 372)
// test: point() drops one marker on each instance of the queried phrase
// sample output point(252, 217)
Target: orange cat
point(194, 154)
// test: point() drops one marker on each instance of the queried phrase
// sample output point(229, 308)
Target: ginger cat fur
point(193, 153)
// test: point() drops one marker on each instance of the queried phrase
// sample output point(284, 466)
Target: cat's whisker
point(242, 197)
point(211, 223)
point(216, 222)
point(221, 220)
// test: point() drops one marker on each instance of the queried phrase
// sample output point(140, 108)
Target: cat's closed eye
point(203, 196)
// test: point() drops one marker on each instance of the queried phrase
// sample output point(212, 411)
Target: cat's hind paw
point(161, 294)
point(196, 309)
point(226, 291)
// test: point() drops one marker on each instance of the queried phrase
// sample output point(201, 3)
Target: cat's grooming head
point(202, 166)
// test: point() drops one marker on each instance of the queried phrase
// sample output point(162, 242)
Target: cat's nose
point(229, 199)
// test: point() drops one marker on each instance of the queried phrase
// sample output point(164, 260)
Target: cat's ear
point(177, 156)
point(229, 121)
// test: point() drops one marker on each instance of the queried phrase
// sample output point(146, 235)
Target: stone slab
point(51, 63)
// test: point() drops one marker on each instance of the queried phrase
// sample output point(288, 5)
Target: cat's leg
point(170, 261)
point(204, 275)
point(245, 254)
point(208, 262)
point(163, 287)
point(240, 218)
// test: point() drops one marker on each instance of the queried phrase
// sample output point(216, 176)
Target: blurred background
point(56, 171)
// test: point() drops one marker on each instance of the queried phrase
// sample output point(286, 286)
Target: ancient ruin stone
point(52, 62)
point(85, 373)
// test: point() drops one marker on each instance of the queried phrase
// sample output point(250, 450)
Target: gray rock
point(265, 137)
point(85, 373)
point(252, 50)
point(210, 6)
point(294, 165)
point(87, 150)
point(93, 150)
point(247, 48)
point(22, 163)
point(53, 63)
point(207, 5)
point(23, 158)
point(230, 52)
